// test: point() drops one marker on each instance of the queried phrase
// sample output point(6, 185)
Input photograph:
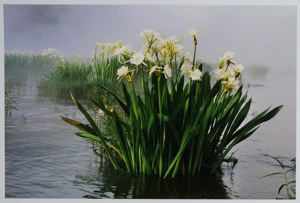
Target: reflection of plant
point(288, 185)
point(121, 185)
point(180, 123)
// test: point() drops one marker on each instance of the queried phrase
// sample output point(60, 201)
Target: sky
point(258, 35)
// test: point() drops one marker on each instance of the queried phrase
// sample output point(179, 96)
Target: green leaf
point(291, 182)
point(79, 125)
point(162, 117)
point(119, 100)
point(272, 174)
point(150, 124)
point(277, 160)
point(280, 188)
point(97, 130)
point(89, 136)
point(126, 96)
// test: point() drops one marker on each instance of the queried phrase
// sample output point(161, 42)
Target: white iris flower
point(196, 75)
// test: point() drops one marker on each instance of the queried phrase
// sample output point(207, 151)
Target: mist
point(264, 35)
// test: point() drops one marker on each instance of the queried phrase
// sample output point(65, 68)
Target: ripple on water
point(44, 159)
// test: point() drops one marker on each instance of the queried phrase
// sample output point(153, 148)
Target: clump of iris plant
point(180, 122)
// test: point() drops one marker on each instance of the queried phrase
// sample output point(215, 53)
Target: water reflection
point(109, 183)
point(51, 162)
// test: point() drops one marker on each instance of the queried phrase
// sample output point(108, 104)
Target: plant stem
point(195, 50)
point(287, 185)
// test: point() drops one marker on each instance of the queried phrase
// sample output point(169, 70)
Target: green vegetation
point(104, 73)
point(10, 101)
point(23, 66)
point(177, 130)
point(81, 77)
point(289, 186)
point(65, 78)
point(58, 77)
point(181, 122)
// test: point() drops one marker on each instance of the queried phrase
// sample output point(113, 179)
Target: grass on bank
point(80, 78)
point(10, 101)
point(65, 78)
point(22, 66)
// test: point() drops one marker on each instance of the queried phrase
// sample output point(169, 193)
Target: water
point(44, 159)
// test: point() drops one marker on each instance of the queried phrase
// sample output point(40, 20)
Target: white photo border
point(295, 3)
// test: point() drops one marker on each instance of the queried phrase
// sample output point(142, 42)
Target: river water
point(44, 159)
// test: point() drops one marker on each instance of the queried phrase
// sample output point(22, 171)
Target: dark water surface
point(44, 159)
